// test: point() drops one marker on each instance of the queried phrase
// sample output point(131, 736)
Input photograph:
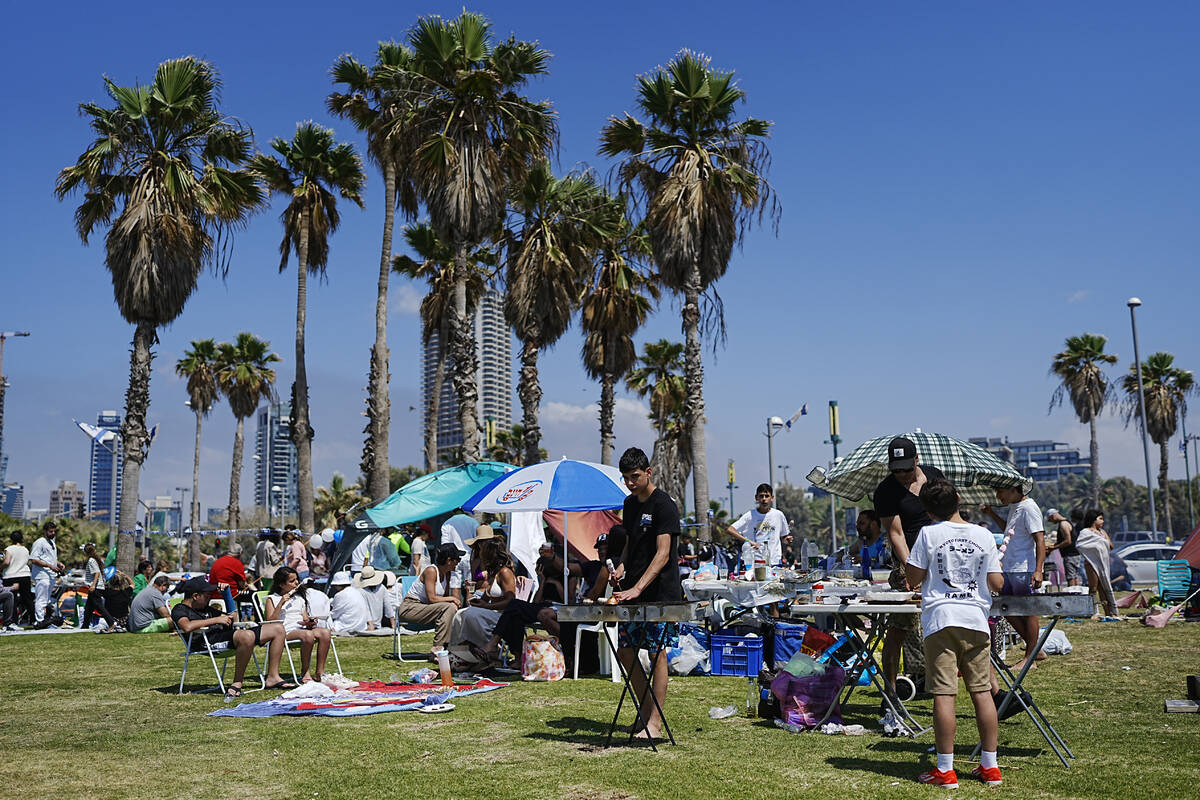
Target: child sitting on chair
point(957, 566)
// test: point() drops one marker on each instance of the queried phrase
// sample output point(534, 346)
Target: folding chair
point(260, 614)
point(220, 650)
point(607, 630)
point(1174, 580)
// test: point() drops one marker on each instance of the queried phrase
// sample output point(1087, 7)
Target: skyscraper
point(275, 462)
point(100, 476)
point(493, 348)
point(12, 500)
point(66, 500)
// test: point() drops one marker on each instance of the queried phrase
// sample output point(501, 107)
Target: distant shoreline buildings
point(1043, 460)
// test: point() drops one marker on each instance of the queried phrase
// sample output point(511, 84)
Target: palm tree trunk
point(301, 430)
point(435, 403)
point(194, 515)
point(235, 482)
point(133, 441)
point(1094, 456)
point(530, 391)
point(693, 407)
point(379, 404)
point(607, 381)
point(466, 361)
point(1164, 488)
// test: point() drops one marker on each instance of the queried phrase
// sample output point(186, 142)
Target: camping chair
point(197, 643)
point(1174, 579)
point(260, 614)
point(406, 582)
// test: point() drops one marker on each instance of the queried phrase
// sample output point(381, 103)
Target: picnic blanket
point(368, 697)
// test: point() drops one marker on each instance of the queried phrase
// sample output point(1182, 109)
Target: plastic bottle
point(443, 661)
point(751, 697)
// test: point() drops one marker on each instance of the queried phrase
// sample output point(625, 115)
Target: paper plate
point(440, 708)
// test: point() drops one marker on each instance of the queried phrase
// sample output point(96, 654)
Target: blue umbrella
point(436, 493)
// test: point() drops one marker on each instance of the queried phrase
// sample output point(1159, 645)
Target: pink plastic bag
point(804, 701)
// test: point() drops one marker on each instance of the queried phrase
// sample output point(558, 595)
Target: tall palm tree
point(437, 308)
point(199, 365)
point(245, 378)
point(338, 497)
point(548, 263)
point(371, 102)
point(476, 135)
point(658, 375)
point(509, 446)
point(164, 174)
point(1166, 388)
point(313, 171)
point(701, 175)
point(1082, 379)
point(616, 306)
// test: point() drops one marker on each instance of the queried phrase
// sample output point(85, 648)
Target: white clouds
point(1078, 296)
point(405, 299)
point(574, 430)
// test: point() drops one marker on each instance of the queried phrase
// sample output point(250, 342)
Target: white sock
point(988, 760)
point(945, 762)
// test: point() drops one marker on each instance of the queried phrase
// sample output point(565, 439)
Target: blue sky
point(963, 186)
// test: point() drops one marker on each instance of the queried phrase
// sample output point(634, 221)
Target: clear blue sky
point(963, 186)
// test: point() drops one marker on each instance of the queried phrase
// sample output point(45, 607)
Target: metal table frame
point(650, 612)
point(847, 614)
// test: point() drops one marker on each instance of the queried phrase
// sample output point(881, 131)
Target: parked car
point(1122, 538)
point(1142, 559)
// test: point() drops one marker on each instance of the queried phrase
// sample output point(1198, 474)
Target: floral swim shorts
point(648, 635)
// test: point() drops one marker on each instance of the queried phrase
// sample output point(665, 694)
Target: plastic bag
point(804, 701)
point(801, 666)
point(690, 654)
point(542, 659)
point(1057, 643)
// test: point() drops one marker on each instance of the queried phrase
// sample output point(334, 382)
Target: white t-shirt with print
point(764, 529)
point(957, 557)
point(1024, 520)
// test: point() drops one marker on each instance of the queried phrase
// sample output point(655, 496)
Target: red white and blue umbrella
point(565, 485)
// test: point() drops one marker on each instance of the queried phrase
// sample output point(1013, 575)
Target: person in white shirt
point(305, 613)
point(17, 576)
point(761, 527)
point(456, 530)
point(45, 566)
point(420, 549)
point(432, 599)
point(1022, 556)
point(957, 566)
point(349, 608)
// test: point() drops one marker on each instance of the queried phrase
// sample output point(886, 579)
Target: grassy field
point(97, 716)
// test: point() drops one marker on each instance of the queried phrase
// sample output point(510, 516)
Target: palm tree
point(700, 173)
point(617, 304)
point(371, 103)
point(509, 446)
point(314, 168)
point(245, 378)
point(437, 307)
point(1078, 369)
point(548, 262)
point(164, 174)
point(1166, 388)
point(658, 375)
point(199, 366)
point(338, 497)
point(476, 136)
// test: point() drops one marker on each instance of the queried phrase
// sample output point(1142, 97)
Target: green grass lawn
point(97, 716)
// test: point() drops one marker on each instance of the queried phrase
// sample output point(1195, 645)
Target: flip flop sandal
point(281, 685)
point(233, 692)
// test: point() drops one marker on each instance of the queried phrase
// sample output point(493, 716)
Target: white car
point(1142, 559)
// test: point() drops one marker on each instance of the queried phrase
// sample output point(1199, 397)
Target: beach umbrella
point(974, 471)
point(565, 485)
point(435, 493)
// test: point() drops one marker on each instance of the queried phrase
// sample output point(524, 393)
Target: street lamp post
point(4, 336)
point(835, 438)
point(1133, 303)
point(732, 476)
point(278, 490)
point(774, 426)
point(1187, 473)
point(785, 468)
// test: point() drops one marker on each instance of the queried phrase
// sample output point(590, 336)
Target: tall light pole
point(277, 490)
point(4, 336)
point(1187, 473)
point(785, 468)
point(732, 476)
point(1133, 303)
point(774, 426)
point(835, 438)
point(183, 492)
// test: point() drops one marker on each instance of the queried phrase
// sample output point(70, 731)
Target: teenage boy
point(649, 571)
point(1022, 555)
point(762, 527)
point(957, 566)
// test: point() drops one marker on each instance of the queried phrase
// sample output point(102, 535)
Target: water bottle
point(751, 697)
point(443, 662)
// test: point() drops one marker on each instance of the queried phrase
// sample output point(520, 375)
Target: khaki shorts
point(900, 622)
point(951, 651)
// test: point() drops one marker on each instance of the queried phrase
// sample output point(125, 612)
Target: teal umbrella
point(436, 493)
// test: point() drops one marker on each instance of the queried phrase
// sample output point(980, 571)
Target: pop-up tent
point(436, 493)
point(1190, 552)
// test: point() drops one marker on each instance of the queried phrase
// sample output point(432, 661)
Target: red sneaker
point(989, 775)
point(935, 777)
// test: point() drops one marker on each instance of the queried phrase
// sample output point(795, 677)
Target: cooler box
point(788, 639)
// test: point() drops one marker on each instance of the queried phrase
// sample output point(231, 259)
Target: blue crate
point(736, 655)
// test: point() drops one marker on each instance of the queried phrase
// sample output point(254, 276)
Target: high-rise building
point(276, 463)
point(163, 513)
point(493, 348)
point(12, 500)
point(100, 477)
point(1041, 459)
point(66, 500)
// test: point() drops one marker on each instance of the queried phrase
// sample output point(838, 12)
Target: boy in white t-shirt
point(761, 527)
point(1022, 557)
point(957, 566)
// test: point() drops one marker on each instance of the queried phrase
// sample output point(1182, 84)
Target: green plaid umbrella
point(976, 472)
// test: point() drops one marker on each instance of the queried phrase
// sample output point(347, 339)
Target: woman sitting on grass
point(302, 609)
point(93, 575)
point(118, 597)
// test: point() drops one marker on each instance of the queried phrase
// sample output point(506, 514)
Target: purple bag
point(804, 701)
